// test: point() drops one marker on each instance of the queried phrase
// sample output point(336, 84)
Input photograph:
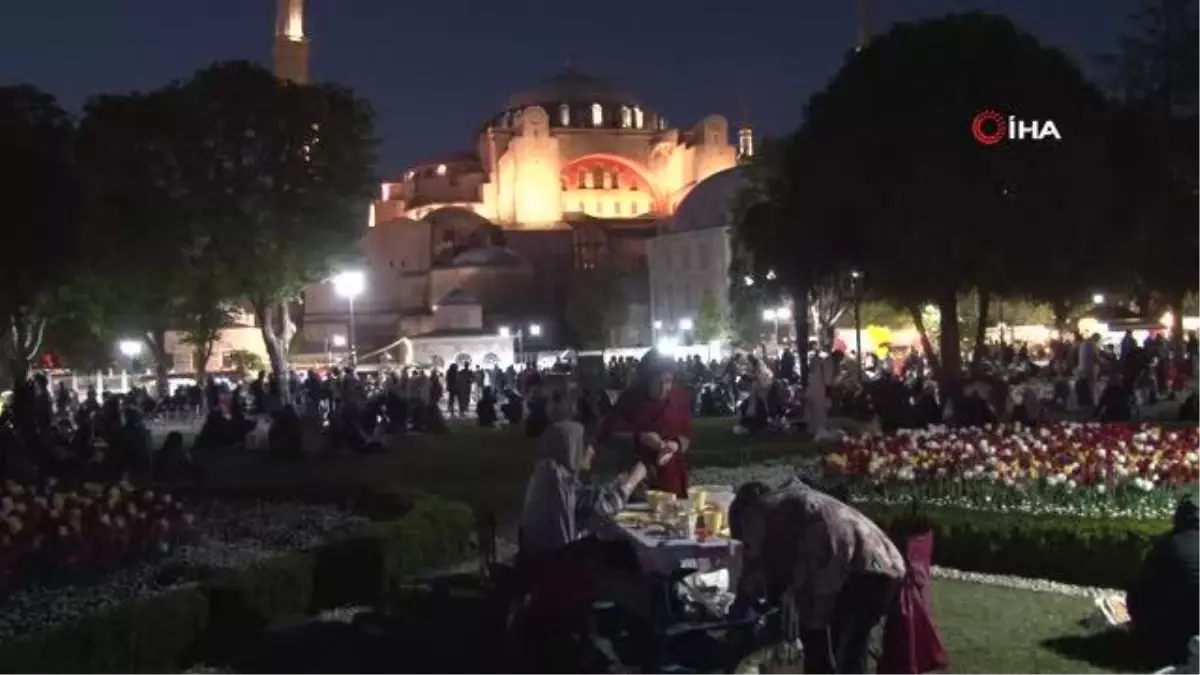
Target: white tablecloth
point(663, 554)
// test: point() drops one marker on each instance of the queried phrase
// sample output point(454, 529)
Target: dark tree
point(885, 174)
point(41, 218)
point(284, 177)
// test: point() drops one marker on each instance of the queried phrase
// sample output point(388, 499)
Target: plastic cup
point(698, 497)
point(714, 521)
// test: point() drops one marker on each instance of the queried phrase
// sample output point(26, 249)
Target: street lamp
point(856, 289)
point(130, 348)
point(656, 325)
point(1098, 299)
point(686, 325)
point(350, 284)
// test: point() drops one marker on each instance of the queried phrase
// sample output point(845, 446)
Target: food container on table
point(718, 496)
point(660, 504)
point(714, 521)
point(686, 520)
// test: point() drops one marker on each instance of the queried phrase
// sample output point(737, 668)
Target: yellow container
point(698, 497)
point(714, 521)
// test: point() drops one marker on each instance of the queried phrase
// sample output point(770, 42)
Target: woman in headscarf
point(559, 508)
point(657, 418)
point(833, 572)
point(1162, 603)
point(563, 568)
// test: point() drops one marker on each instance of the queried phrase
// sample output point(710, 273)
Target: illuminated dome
point(711, 201)
point(571, 86)
point(578, 100)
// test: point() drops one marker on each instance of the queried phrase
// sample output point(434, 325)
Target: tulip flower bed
point(54, 536)
point(1067, 469)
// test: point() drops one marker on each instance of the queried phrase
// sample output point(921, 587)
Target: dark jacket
point(1162, 603)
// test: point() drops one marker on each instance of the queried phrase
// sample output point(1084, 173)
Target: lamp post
point(656, 326)
point(535, 330)
point(349, 285)
point(331, 343)
point(856, 291)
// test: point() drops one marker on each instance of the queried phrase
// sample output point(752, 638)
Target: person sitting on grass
point(485, 408)
point(833, 572)
point(1162, 602)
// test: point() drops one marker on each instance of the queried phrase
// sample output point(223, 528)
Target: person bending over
point(833, 572)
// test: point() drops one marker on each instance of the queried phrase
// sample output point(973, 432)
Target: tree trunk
point(1175, 305)
point(202, 354)
point(278, 339)
point(984, 305)
point(25, 336)
point(948, 339)
point(802, 328)
point(935, 364)
point(1062, 315)
point(156, 340)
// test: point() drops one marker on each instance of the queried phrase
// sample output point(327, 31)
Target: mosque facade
point(572, 174)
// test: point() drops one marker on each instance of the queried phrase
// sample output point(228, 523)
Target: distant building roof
point(458, 297)
point(488, 256)
point(711, 202)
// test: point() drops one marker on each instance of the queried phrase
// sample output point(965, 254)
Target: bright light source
point(441, 169)
point(1098, 299)
point(130, 348)
point(339, 340)
point(668, 345)
point(504, 331)
point(686, 324)
point(770, 314)
point(855, 274)
point(770, 275)
point(783, 313)
point(1167, 320)
point(350, 284)
point(748, 280)
point(657, 324)
point(535, 329)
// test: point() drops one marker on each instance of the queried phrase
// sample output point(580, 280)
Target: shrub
point(1083, 551)
point(151, 635)
point(220, 617)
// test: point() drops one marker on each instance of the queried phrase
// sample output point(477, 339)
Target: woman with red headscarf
point(657, 418)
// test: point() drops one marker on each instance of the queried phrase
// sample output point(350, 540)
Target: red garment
point(911, 643)
point(669, 417)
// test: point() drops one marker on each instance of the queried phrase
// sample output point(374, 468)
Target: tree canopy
point(884, 175)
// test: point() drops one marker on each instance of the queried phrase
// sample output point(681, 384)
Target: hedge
point(219, 617)
point(1083, 551)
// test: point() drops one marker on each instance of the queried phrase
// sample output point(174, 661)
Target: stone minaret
point(864, 34)
point(291, 44)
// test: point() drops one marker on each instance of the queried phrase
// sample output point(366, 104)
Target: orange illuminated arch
point(630, 174)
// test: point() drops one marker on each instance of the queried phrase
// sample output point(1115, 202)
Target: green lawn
point(986, 629)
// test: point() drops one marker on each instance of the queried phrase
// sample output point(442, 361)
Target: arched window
point(639, 120)
point(564, 115)
point(583, 180)
point(597, 115)
point(626, 117)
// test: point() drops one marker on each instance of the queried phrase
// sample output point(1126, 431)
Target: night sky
point(435, 69)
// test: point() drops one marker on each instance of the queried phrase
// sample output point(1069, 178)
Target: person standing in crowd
point(831, 570)
point(816, 394)
point(657, 418)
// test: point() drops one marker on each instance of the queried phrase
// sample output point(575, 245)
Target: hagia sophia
point(571, 174)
